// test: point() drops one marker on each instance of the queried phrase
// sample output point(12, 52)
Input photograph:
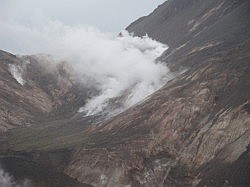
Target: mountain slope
point(35, 88)
point(197, 125)
point(195, 26)
point(199, 118)
point(195, 131)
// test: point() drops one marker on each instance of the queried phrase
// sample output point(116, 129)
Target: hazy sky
point(107, 15)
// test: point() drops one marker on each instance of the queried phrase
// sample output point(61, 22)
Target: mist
point(16, 73)
point(116, 65)
point(6, 180)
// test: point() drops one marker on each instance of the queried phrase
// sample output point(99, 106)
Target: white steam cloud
point(118, 66)
point(16, 72)
point(6, 180)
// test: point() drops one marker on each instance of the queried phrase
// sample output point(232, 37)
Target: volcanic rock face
point(195, 27)
point(33, 88)
point(197, 126)
point(194, 120)
point(195, 131)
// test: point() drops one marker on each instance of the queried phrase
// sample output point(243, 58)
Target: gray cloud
point(107, 15)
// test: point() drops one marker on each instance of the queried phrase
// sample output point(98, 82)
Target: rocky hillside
point(191, 132)
point(195, 27)
point(34, 88)
point(195, 131)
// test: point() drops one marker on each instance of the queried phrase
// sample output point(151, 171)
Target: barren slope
point(195, 131)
